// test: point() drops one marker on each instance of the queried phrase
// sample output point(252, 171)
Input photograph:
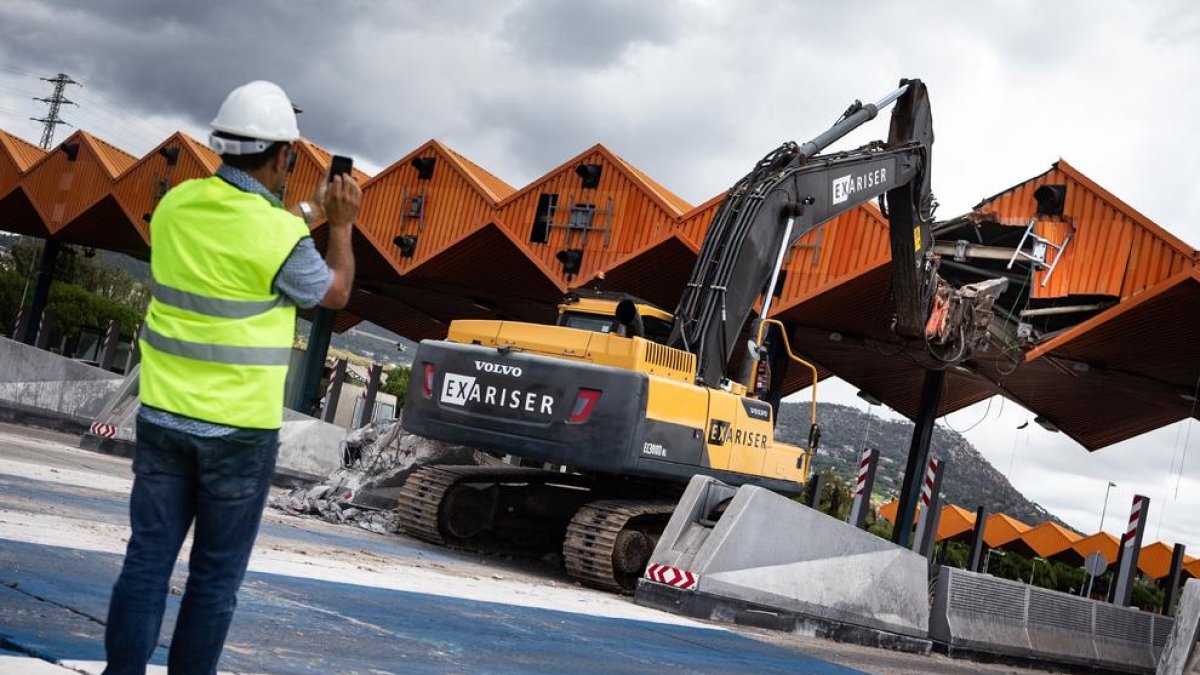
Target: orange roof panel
point(114, 159)
point(834, 252)
point(1002, 529)
point(889, 510)
point(61, 188)
point(627, 214)
point(22, 153)
point(1101, 542)
point(1114, 249)
point(955, 521)
point(323, 158)
point(1192, 568)
point(140, 187)
point(496, 188)
point(12, 162)
point(453, 204)
point(694, 223)
point(674, 201)
point(1155, 560)
point(1049, 538)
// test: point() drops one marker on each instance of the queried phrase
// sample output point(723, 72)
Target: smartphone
point(340, 165)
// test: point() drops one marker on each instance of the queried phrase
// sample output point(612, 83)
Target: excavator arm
point(792, 191)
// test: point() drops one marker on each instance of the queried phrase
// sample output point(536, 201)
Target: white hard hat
point(259, 110)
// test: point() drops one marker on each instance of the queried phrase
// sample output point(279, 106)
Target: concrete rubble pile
point(376, 460)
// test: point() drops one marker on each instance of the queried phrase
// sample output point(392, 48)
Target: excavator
point(608, 413)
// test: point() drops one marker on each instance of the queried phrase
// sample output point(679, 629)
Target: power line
point(56, 101)
point(123, 116)
point(18, 92)
point(17, 71)
point(104, 111)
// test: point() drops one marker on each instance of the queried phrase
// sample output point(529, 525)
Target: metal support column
point(333, 392)
point(1174, 578)
point(108, 351)
point(975, 562)
point(1111, 594)
point(868, 462)
point(816, 486)
point(918, 455)
point(931, 508)
point(1131, 546)
point(31, 318)
point(305, 398)
point(368, 408)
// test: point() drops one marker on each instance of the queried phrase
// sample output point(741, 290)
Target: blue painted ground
point(287, 624)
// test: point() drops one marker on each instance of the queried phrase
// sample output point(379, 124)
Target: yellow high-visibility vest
point(217, 339)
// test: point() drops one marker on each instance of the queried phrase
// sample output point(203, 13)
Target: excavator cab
point(617, 313)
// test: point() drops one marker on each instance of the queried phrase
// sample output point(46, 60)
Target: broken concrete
point(377, 459)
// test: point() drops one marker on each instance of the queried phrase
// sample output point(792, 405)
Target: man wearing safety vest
point(229, 265)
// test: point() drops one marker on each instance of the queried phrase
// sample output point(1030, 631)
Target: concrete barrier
point(309, 449)
point(46, 383)
point(771, 562)
point(1181, 654)
point(983, 614)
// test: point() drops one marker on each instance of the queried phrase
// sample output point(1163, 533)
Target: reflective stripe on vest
point(217, 340)
point(202, 304)
point(232, 355)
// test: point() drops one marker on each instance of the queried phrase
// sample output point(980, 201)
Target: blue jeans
point(221, 485)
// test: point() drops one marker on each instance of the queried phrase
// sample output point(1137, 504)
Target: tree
point(396, 384)
point(76, 267)
point(837, 497)
point(74, 308)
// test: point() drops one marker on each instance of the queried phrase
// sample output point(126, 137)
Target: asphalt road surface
point(322, 598)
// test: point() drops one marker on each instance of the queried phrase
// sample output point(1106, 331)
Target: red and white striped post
point(108, 351)
point(1131, 546)
point(372, 388)
point(135, 350)
point(931, 507)
point(868, 462)
point(333, 392)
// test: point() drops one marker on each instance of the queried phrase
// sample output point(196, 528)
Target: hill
point(369, 341)
point(969, 479)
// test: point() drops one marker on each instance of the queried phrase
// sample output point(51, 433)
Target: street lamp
point(988, 559)
point(1033, 568)
point(1104, 511)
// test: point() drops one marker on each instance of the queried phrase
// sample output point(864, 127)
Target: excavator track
point(609, 542)
point(495, 509)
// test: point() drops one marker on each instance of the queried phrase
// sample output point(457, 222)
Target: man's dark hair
point(250, 162)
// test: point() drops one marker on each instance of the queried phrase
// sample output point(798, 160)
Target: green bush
point(74, 308)
point(397, 384)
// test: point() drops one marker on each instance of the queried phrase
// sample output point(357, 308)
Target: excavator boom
point(789, 193)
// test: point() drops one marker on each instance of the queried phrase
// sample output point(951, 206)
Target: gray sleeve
point(304, 277)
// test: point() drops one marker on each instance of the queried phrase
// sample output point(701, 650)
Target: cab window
point(592, 322)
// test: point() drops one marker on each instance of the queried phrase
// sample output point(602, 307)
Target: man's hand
point(317, 201)
point(342, 200)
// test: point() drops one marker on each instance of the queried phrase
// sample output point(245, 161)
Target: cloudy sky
point(692, 92)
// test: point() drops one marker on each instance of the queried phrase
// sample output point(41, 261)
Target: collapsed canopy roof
point(1101, 347)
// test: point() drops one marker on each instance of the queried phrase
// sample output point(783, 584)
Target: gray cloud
point(589, 34)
